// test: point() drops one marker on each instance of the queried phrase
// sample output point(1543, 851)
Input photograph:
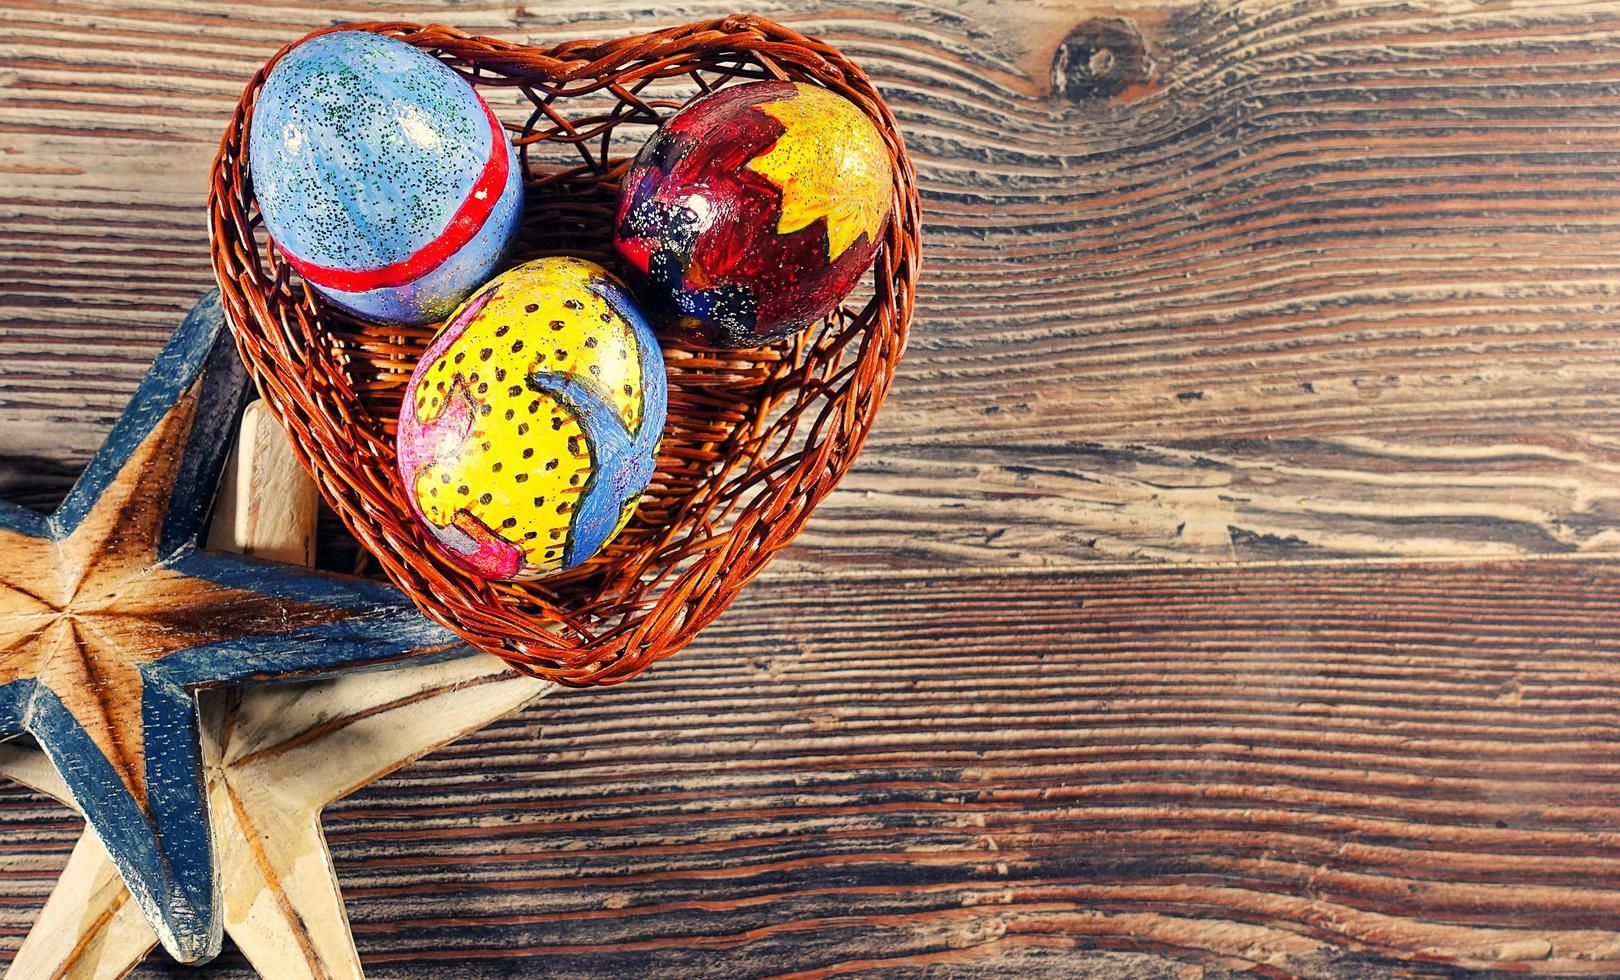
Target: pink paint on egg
point(467, 544)
point(529, 430)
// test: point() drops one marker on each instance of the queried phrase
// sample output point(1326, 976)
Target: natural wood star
point(275, 755)
point(81, 614)
point(111, 617)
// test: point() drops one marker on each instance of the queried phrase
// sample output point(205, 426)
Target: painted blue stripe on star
point(223, 393)
point(180, 812)
point(175, 886)
point(14, 699)
point(290, 582)
point(172, 373)
point(15, 517)
point(376, 638)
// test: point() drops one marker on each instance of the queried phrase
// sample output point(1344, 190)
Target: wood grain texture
point(1321, 771)
point(1088, 669)
point(1357, 255)
point(267, 503)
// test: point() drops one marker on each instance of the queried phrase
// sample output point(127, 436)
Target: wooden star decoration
point(276, 754)
point(112, 617)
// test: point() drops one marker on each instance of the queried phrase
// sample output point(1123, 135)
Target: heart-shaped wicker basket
point(755, 438)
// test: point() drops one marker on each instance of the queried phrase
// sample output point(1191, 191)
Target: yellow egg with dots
point(530, 428)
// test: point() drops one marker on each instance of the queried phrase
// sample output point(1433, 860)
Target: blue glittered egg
point(383, 177)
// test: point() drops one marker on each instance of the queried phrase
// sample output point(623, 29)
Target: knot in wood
point(1099, 58)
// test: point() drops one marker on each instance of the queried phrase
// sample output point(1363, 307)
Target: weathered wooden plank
point(1374, 237)
point(1213, 501)
point(1205, 284)
point(1323, 770)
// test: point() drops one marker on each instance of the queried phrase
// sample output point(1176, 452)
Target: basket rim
point(290, 374)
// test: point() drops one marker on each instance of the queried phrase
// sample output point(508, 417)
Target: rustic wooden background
point(1232, 583)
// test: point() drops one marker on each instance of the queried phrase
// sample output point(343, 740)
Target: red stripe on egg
point(464, 224)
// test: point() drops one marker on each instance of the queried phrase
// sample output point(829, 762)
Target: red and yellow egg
point(754, 211)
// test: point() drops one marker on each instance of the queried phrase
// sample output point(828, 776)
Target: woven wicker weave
point(755, 438)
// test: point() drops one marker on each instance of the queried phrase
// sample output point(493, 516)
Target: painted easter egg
point(530, 428)
point(754, 211)
point(383, 177)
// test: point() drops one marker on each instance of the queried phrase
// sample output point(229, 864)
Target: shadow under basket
point(755, 438)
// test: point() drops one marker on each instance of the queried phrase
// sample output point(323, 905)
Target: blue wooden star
point(111, 616)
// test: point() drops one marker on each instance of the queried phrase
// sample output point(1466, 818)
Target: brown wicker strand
point(755, 438)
